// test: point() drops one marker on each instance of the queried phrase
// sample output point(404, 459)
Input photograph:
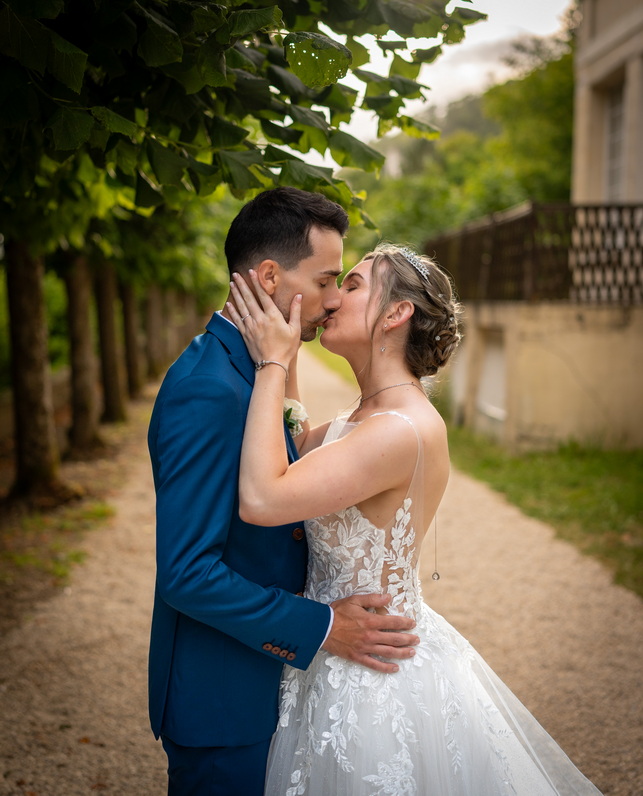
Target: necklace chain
point(390, 387)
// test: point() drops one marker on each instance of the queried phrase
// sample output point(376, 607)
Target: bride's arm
point(370, 460)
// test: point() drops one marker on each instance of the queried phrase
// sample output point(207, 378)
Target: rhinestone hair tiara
point(415, 261)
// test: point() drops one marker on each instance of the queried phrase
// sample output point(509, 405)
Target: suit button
point(283, 653)
point(298, 534)
point(267, 647)
point(275, 650)
point(291, 656)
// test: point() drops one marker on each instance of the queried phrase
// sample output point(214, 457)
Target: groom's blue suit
point(226, 610)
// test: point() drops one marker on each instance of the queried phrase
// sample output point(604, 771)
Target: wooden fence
point(548, 252)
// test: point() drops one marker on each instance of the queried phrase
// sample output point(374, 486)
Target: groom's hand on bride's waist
point(358, 634)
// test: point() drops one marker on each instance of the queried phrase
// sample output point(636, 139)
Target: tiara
point(416, 262)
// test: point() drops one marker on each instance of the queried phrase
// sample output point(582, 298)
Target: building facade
point(608, 113)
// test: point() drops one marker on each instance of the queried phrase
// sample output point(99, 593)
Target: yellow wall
point(569, 372)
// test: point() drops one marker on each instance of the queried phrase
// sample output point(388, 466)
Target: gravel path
point(73, 714)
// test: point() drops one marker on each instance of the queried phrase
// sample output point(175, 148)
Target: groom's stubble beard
point(308, 328)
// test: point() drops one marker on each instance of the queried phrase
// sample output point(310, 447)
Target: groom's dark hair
point(275, 225)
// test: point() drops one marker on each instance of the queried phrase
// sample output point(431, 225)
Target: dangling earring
point(383, 348)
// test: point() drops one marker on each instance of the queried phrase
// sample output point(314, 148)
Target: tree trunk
point(114, 403)
point(172, 321)
point(37, 457)
point(155, 332)
point(84, 432)
point(131, 331)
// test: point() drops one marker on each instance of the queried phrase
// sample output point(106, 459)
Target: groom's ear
point(268, 273)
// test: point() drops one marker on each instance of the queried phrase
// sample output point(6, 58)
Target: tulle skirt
point(444, 725)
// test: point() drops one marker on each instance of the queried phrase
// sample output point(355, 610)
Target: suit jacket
point(226, 610)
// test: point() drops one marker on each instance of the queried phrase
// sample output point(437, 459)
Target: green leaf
point(147, 195)
point(402, 68)
point(24, 39)
point(340, 100)
point(114, 122)
point(159, 44)
point(225, 134)
point(384, 106)
point(250, 92)
point(125, 155)
point(168, 165)
point(70, 129)
point(205, 19)
point(304, 116)
point(241, 23)
point(405, 87)
point(316, 59)
point(468, 15)
point(287, 83)
point(409, 18)
point(427, 56)
point(360, 53)
point(279, 133)
point(236, 168)
point(187, 74)
point(303, 175)
point(67, 62)
point(349, 151)
point(454, 33)
point(236, 58)
point(273, 156)
point(417, 129)
point(211, 63)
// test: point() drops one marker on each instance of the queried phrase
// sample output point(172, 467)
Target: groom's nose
point(332, 299)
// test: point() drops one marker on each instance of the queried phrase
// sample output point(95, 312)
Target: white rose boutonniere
point(295, 416)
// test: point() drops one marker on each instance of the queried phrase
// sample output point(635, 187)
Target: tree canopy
point(135, 102)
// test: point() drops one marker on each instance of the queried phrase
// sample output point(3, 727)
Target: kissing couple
point(291, 651)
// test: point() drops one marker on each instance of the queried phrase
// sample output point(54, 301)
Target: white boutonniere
point(295, 416)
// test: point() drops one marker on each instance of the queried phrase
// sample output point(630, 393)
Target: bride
point(445, 724)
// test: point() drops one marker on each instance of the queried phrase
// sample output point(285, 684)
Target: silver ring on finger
point(245, 316)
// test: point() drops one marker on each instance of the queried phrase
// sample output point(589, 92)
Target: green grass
point(592, 498)
point(46, 543)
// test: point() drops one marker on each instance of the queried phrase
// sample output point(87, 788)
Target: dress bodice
point(349, 555)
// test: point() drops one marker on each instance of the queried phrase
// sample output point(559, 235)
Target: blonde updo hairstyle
point(433, 328)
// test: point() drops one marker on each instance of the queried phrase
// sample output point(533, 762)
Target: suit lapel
point(240, 359)
point(232, 340)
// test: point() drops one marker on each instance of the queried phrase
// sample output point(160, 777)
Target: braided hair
point(403, 275)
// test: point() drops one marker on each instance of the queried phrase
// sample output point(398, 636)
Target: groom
point(227, 611)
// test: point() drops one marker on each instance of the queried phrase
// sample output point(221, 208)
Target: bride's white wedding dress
point(444, 725)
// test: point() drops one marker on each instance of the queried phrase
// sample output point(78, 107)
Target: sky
point(475, 63)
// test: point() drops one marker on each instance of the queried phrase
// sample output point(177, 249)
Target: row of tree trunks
point(122, 360)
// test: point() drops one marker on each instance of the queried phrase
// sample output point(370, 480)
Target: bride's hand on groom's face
point(357, 634)
point(263, 327)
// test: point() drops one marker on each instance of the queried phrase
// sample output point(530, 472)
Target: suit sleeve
point(195, 444)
